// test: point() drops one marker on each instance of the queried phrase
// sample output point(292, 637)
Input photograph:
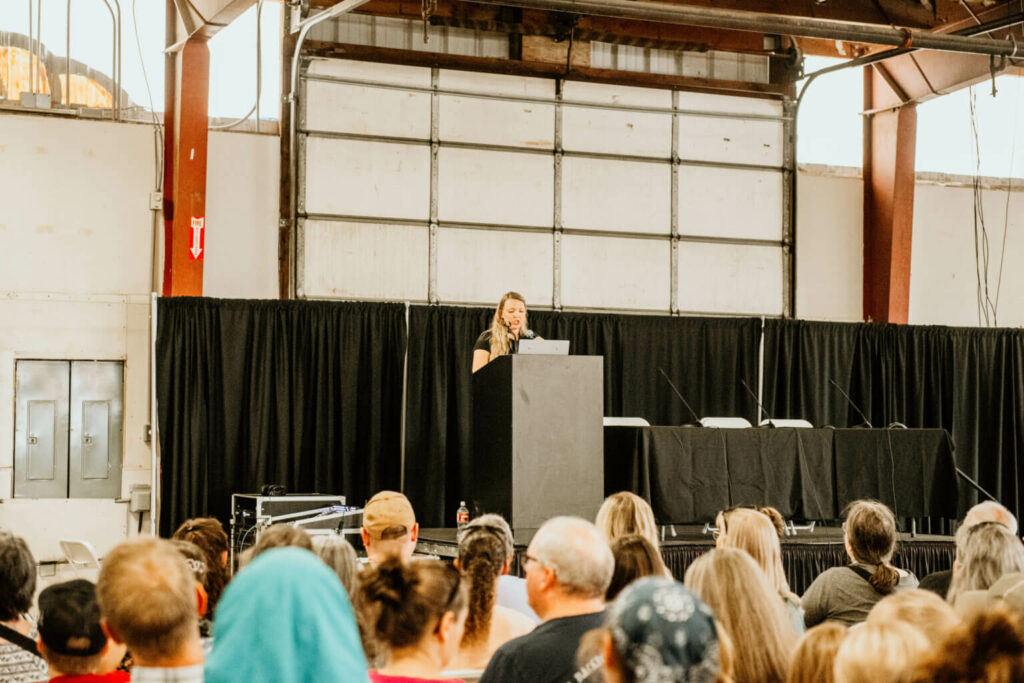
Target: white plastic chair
point(725, 422)
point(80, 555)
point(799, 424)
point(626, 422)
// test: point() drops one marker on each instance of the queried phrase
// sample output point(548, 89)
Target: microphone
point(850, 401)
point(770, 423)
point(695, 418)
point(528, 334)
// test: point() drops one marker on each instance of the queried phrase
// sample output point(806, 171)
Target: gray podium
point(538, 443)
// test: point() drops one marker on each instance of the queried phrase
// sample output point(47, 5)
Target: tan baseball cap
point(385, 510)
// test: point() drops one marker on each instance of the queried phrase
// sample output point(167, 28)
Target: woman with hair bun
point(418, 611)
point(847, 594)
point(508, 326)
point(485, 555)
point(209, 536)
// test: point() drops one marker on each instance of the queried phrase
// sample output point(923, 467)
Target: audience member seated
point(924, 610)
point(847, 594)
point(149, 601)
point(340, 556)
point(208, 535)
point(568, 569)
point(418, 611)
point(989, 511)
point(389, 527)
point(988, 552)
point(19, 661)
point(71, 639)
point(279, 536)
point(987, 648)
point(750, 612)
point(659, 631)
point(285, 619)
point(485, 554)
point(880, 653)
point(756, 532)
point(815, 655)
point(634, 557)
point(196, 560)
point(626, 513)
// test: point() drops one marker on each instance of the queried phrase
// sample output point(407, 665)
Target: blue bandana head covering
point(287, 619)
point(662, 632)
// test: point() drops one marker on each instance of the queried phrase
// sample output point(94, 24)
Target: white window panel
point(504, 188)
point(729, 278)
point(624, 196)
point(491, 122)
point(357, 178)
point(365, 260)
point(599, 93)
point(616, 132)
point(497, 122)
point(478, 266)
point(364, 110)
point(492, 84)
point(729, 202)
point(607, 272)
point(757, 106)
point(731, 140)
point(392, 74)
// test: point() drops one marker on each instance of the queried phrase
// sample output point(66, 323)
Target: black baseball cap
point(69, 619)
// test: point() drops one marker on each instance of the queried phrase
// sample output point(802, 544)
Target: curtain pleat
point(967, 381)
point(303, 394)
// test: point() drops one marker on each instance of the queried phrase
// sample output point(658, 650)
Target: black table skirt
point(690, 474)
point(804, 557)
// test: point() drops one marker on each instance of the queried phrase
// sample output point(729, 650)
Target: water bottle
point(462, 515)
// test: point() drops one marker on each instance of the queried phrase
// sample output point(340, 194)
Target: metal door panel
point(97, 422)
point(41, 429)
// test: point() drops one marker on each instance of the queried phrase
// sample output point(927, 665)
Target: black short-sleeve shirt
point(483, 342)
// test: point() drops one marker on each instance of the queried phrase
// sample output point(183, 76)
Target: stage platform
point(804, 556)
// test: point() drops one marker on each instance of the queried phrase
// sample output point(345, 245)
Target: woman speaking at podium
point(507, 327)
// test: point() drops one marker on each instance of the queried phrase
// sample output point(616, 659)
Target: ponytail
point(885, 578)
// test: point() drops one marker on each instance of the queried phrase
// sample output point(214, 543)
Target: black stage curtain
point(968, 381)
point(705, 357)
point(304, 394)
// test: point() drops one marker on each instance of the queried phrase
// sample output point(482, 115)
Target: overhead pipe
point(762, 22)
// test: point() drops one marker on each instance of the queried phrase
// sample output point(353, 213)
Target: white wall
point(943, 279)
point(243, 174)
point(76, 236)
point(829, 244)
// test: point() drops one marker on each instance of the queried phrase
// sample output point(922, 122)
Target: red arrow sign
point(197, 237)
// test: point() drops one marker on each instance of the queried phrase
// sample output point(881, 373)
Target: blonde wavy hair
point(756, 532)
point(749, 610)
point(625, 513)
point(501, 344)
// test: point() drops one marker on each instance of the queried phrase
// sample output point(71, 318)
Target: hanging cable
point(1009, 187)
point(158, 129)
point(259, 77)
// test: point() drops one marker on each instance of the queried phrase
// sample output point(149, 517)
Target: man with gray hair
point(568, 568)
point(987, 511)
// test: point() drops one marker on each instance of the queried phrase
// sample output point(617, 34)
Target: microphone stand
point(771, 422)
point(680, 395)
point(959, 472)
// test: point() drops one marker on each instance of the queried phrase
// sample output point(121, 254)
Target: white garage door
point(430, 185)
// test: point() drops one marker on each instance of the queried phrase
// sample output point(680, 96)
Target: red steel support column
point(889, 147)
point(186, 126)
